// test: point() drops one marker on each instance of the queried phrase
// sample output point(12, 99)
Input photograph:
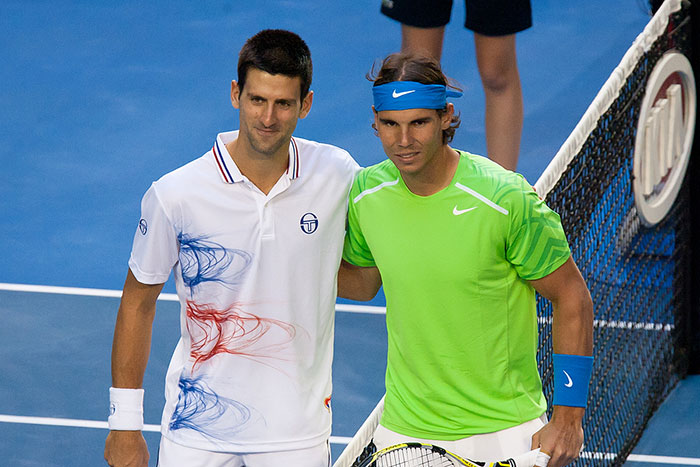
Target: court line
point(644, 458)
point(63, 290)
point(610, 456)
point(167, 297)
point(663, 459)
point(344, 307)
point(69, 422)
point(75, 423)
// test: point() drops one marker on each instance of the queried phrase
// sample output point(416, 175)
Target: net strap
point(361, 438)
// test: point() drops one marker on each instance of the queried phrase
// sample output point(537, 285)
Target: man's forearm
point(132, 333)
point(131, 348)
point(572, 326)
point(358, 283)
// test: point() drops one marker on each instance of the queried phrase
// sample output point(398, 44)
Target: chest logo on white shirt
point(143, 226)
point(309, 223)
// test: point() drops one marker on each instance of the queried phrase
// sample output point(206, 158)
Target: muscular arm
point(358, 283)
point(572, 333)
point(130, 349)
point(132, 333)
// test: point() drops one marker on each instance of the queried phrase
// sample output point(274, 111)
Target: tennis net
point(637, 270)
point(638, 274)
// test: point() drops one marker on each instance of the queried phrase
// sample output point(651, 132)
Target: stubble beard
point(269, 149)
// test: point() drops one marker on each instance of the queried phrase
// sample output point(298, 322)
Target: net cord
point(605, 97)
point(361, 438)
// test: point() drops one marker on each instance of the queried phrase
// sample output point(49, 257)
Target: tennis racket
point(420, 455)
point(361, 451)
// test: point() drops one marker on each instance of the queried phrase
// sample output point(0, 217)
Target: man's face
point(411, 138)
point(270, 106)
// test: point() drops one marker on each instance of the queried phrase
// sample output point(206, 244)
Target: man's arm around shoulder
point(358, 283)
point(130, 350)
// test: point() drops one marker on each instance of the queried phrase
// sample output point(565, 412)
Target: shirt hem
point(552, 267)
point(243, 447)
point(360, 263)
point(145, 278)
point(453, 436)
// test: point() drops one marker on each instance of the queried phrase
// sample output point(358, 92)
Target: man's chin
point(269, 149)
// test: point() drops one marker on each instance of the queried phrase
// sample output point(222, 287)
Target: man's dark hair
point(277, 52)
point(411, 66)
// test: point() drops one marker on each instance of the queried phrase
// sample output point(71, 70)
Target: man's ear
point(446, 119)
point(376, 121)
point(306, 104)
point(235, 95)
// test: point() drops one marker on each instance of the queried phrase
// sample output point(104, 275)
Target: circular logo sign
point(309, 223)
point(143, 226)
point(664, 137)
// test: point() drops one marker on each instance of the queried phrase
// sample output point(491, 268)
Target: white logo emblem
point(457, 212)
point(664, 137)
point(570, 383)
point(399, 94)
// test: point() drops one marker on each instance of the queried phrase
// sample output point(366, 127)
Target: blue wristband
point(572, 373)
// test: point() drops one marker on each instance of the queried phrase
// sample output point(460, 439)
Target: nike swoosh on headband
point(396, 95)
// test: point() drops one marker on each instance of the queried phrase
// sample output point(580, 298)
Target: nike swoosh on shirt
point(399, 94)
point(570, 383)
point(457, 212)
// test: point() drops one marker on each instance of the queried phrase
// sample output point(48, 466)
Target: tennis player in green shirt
point(461, 245)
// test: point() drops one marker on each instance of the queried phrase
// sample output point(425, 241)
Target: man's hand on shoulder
point(126, 449)
point(562, 437)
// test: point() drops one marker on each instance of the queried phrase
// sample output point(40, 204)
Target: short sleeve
point(356, 251)
point(155, 248)
point(537, 244)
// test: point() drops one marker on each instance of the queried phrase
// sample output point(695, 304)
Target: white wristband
point(542, 459)
point(125, 409)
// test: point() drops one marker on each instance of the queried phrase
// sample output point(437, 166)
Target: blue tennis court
point(102, 98)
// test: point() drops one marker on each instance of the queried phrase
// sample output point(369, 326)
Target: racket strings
point(414, 457)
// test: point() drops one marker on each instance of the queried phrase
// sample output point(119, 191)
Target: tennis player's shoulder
point(374, 175)
point(485, 170)
point(494, 181)
point(186, 175)
point(316, 157)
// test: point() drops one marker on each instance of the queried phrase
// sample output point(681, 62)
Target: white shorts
point(172, 454)
point(499, 445)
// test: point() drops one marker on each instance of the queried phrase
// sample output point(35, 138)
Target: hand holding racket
point(361, 452)
point(419, 455)
point(562, 436)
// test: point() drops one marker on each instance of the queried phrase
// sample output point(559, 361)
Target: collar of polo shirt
point(229, 170)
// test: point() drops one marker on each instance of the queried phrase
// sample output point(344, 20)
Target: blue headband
point(402, 95)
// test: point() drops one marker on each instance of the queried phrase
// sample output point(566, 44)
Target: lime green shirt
point(461, 317)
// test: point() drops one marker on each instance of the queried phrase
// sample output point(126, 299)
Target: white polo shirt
point(256, 279)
